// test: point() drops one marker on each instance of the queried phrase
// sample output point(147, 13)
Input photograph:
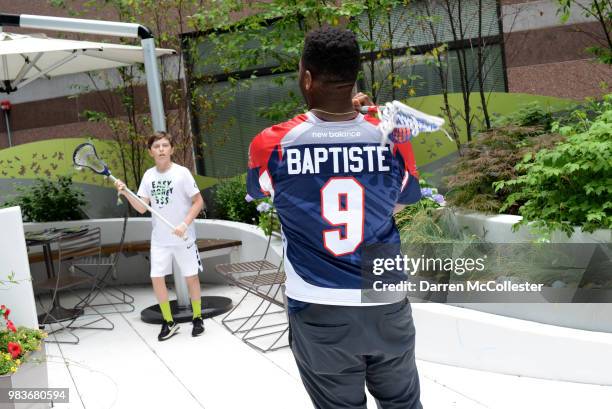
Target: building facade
point(535, 54)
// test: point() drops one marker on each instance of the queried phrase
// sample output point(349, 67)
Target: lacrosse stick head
point(85, 156)
point(399, 123)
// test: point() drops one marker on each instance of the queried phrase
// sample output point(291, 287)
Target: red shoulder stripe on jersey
point(266, 141)
point(371, 119)
point(405, 149)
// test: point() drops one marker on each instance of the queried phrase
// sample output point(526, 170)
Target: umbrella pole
point(8, 128)
point(153, 84)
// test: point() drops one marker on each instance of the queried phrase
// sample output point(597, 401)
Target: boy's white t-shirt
point(169, 193)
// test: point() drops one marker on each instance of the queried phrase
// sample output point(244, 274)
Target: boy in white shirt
point(170, 189)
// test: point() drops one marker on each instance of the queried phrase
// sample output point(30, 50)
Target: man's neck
point(334, 112)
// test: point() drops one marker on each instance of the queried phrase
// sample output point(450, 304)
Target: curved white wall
point(135, 268)
point(498, 229)
point(488, 342)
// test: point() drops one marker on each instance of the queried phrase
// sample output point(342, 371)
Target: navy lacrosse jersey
point(334, 188)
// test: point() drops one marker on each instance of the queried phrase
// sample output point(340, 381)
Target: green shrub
point(48, 201)
point(489, 158)
point(532, 114)
point(569, 184)
point(230, 202)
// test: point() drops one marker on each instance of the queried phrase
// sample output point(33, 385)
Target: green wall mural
point(50, 158)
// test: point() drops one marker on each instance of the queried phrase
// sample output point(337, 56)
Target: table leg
point(57, 312)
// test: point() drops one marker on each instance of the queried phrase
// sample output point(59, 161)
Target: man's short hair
point(159, 135)
point(331, 54)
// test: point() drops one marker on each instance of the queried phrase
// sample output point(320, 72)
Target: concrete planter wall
point(31, 374)
point(473, 339)
point(134, 268)
point(498, 229)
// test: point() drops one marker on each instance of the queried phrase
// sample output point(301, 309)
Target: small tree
point(469, 35)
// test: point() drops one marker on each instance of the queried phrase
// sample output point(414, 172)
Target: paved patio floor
point(128, 368)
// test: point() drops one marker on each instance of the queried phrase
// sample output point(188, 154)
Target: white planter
point(498, 229)
point(31, 374)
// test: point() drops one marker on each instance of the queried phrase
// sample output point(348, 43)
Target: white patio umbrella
point(25, 58)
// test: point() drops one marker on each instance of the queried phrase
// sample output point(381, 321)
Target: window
point(226, 151)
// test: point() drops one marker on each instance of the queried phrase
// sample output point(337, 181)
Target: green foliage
point(230, 202)
point(569, 184)
point(430, 199)
point(491, 157)
point(48, 200)
point(268, 218)
point(531, 114)
point(419, 223)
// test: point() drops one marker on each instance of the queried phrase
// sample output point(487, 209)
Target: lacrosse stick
point(85, 156)
point(400, 123)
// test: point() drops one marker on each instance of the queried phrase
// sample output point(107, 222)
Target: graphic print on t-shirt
point(161, 191)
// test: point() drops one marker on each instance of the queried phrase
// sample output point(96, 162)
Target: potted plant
point(22, 356)
point(535, 174)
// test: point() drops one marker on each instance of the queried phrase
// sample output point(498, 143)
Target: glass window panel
point(226, 151)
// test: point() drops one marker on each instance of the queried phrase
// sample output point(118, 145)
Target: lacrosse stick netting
point(400, 123)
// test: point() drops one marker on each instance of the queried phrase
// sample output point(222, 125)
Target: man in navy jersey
point(335, 189)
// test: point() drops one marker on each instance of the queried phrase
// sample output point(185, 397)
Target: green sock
point(166, 312)
point(196, 305)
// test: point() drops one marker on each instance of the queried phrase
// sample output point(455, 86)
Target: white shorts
point(188, 260)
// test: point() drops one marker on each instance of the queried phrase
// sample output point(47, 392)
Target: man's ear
point(307, 80)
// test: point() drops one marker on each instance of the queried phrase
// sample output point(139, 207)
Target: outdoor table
point(46, 238)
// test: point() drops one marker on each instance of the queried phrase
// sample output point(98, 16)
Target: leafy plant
point(569, 184)
point(532, 114)
point(48, 200)
point(230, 203)
point(268, 219)
point(491, 157)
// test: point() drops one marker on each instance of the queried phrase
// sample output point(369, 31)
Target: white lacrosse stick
point(85, 155)
point(400, 123)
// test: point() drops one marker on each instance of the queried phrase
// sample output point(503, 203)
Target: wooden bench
point(145, 246)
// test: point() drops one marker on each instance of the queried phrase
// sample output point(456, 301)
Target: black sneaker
point(168, 329)
point(198, 327)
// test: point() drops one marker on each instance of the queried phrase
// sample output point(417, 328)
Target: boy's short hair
point(159, 135)
point(332, 54)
